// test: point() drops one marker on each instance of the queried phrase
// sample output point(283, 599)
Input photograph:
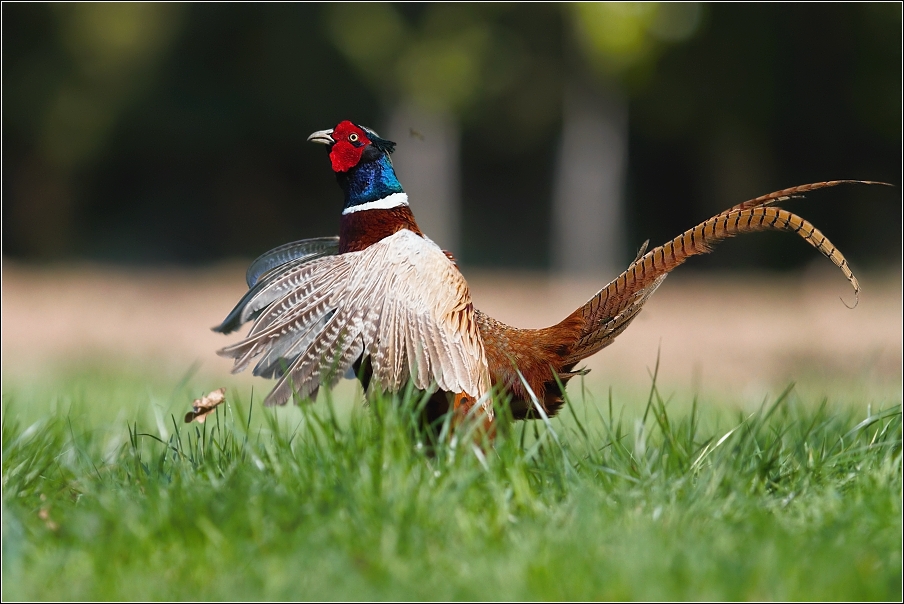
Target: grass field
point(108, 495)
point(749, 494)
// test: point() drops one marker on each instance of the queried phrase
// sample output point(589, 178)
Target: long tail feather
point(547, 357)
point(785, 194)
point(615, 304)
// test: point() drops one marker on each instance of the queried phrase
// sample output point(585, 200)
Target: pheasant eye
point(353, 137)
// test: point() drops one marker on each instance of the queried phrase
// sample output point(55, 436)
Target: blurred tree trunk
point(427, 163)
point(590, 180)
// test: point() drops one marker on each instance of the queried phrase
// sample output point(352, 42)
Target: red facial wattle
point(350, 143)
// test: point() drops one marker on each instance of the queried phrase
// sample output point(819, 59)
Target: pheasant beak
point(323, 137)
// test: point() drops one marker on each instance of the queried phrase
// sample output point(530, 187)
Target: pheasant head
point(376, 206)
point(360, 159)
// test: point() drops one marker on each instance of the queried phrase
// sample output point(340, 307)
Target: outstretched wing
point(304, 250)
point(400, 301)
point(267, 270)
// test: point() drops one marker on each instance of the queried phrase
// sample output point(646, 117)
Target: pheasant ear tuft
point(382, 144)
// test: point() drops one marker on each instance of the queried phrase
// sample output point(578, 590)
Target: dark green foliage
point(191, 148)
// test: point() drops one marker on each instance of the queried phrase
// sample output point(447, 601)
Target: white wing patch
point(401, 302)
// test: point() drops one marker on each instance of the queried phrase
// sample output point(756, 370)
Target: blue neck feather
point(369, 181)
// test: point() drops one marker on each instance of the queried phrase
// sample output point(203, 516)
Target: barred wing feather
point(306, 249)
point(269, 269)
point(400, 302)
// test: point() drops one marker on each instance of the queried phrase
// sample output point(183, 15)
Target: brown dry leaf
point(204, 406)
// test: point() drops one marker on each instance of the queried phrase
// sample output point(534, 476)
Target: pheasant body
point(384, 300)
point(383, 293)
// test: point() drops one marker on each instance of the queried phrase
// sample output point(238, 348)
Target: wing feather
point(303, 251)
point(401, 302)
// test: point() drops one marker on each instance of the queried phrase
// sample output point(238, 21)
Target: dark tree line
point(175, 133)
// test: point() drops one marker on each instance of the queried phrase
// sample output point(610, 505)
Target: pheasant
point(384, 301)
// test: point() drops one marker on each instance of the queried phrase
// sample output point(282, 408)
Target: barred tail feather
point(786, 194)
point(609, 311)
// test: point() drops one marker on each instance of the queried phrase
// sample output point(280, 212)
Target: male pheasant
point(385, 301)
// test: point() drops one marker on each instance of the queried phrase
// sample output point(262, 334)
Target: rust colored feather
point(785, 194)
point(360, 230)
point(547, 357)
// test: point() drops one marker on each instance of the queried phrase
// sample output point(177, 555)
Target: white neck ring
point(393, 200)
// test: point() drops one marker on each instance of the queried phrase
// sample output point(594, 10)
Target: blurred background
point(545, 139)
point(148, 133)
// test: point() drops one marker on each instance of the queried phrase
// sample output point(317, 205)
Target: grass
point(107, 495)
